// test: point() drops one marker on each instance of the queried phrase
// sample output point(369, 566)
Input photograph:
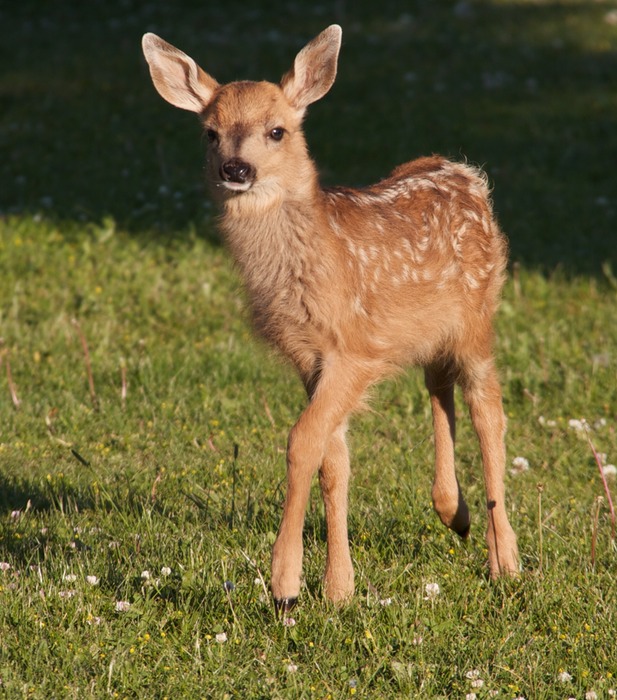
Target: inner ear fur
point(314, 69)
point(176, 76)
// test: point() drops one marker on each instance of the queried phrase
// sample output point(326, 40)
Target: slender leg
point(334, 482)
point(447, 497)
point(483, 395)
point(339, 391)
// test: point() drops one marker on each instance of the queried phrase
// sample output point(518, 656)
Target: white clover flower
point(432, 590)
point(92, 580)
point(221, 637)
point(520, 465)
point(4, 566)
point(67, 594)
point(472, 675)
point(291, 668)
point(609, 470)
point(122, 606)
point(564, 677)
point(591, 695)
point(165, 571)
point(289, 622)
point(69, 578)
point(145, 575)
point(470, 696)
point(477, 683)
point(580, 426)
point(384, 602)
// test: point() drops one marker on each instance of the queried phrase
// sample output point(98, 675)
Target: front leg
point(339, 392)
point(303, 459)
point(334, 482)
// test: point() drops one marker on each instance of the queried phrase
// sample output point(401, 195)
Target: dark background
point(526, 89)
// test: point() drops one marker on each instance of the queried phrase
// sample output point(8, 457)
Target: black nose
point(236, 170)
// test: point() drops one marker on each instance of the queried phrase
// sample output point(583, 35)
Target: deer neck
point(278, 243)
point(272, 220)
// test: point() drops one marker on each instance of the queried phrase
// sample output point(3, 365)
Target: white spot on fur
point(358, 306)
point(471, 281)
point(334, 225)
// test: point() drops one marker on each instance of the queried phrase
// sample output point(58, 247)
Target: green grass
point(103, 220)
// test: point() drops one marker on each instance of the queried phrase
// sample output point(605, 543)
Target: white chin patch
point(237, 186)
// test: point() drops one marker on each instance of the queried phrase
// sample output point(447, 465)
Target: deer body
point(352, 285)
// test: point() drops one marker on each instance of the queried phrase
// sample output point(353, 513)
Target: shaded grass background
point(104, 219)
point(526, 88)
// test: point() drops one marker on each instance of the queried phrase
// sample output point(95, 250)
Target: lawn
point(143, 429)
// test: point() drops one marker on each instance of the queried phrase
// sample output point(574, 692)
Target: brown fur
point(352, 285)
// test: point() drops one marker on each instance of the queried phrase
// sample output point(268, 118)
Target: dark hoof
point(464, 534)
point(462, 523)
point(282, 606)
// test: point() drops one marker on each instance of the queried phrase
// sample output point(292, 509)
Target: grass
point(104, 221)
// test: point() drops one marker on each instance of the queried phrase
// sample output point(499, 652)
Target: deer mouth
point(236, 186)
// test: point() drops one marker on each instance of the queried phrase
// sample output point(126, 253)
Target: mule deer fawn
point(352, 285)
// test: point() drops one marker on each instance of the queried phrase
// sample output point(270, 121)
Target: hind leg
point(483, 395)
point(447, 497)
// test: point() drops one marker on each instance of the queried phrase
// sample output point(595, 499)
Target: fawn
point(351, 285)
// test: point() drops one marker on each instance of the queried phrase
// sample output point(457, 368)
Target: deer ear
point(314, 69)
point(176, 76)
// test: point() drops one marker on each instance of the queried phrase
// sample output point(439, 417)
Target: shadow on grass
point(17, 495)
point(527, 89)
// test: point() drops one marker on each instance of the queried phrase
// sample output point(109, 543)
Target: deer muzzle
point(237, 174)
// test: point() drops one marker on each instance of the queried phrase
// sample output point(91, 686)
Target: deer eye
point(212, 135)
point(277, 133)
